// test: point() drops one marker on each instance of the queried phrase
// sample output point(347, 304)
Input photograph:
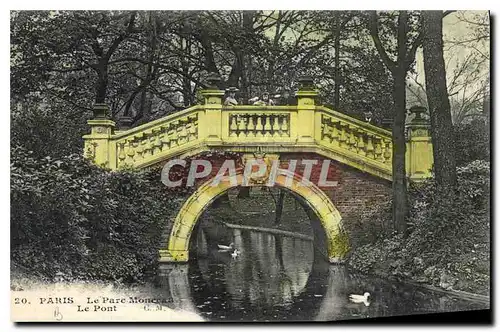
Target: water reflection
point(283, 278)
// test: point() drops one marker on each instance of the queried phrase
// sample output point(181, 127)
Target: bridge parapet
point(357, 143)
point(304, 127)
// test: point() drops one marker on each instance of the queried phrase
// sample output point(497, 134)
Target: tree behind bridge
point(437, 98)
point(403, 41)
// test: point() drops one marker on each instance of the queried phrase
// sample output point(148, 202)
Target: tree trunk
point(279, 206)
point(486, 99)
point(437, 99)
point(235, 74)
point(246, 59)
point(208, 51)
point(399, 195)
point(336, 93)
point(186, 82)
point(101, 85)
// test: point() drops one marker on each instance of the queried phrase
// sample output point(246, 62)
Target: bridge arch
point(177, 247)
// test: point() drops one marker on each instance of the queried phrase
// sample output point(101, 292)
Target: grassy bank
point(448, 245)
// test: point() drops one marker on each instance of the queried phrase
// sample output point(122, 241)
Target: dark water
point(282, 278)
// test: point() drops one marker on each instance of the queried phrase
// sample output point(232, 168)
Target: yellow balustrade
point(255, 124)
point(305, 127)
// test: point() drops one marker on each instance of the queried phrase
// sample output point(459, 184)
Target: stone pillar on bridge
point(210, 119)
point(305, 110)
point(97, 147)
point(419, 157)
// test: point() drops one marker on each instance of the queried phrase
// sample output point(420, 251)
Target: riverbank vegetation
point(74, 218)
point(448, 244)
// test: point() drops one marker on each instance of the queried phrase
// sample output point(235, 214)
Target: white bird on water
point(224, 248)
point(360, 298)
point(235, 253)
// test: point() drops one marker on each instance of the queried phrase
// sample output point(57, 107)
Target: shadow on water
point(287, 279)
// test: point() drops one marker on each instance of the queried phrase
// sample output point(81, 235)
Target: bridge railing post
point(306, 95)
point(210, 119)
point(419, 157)
point(98, 147)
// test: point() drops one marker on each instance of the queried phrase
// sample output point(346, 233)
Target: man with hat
point(231, 98)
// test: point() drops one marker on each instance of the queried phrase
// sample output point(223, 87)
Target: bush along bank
point(448, 244)
point(74, 219)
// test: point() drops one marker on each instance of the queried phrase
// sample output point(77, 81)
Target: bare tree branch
point(373, 27)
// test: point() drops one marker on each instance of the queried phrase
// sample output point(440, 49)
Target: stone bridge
point(361, 155)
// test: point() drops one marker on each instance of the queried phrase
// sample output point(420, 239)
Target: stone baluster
point(172, 134)
point(165, 141)
point(233, 127)
point(135, 147)
point(122, 155)
point(276, 126)
point(284, 126)
point(259, 128)
point(250, 127)
point(157, 141)
point(343, 135)
point(387, 151)
point(379, 149)
point(370, 149)
point(361, 142)
point(242, 127)
point(193, 127)
point(182, 132)
point(267, 126)
point(352, 138)
point(326, 131)
point(139, 148)
point(130, 151)
point(151, 144)
point(335, 134)
point(189, 125)
point(347, 137)
point(146, 143)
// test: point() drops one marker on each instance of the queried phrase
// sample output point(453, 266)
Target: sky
point(454, 29)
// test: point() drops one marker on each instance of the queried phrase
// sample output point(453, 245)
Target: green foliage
point(70, 216)
point(449, 238)
point(472, 142)
point(47, 130)
point(151, 63)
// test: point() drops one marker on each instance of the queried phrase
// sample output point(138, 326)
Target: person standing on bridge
point(231, 98)
point(263, 101)
point(368, 116)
